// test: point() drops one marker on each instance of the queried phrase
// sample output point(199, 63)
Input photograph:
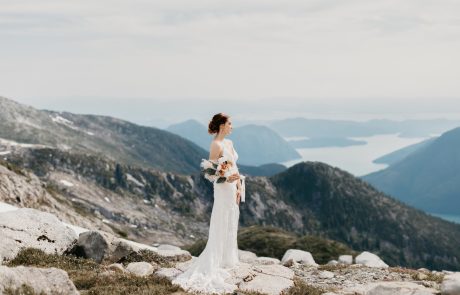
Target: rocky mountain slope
point(152, 206)
point(114, 138)
point(428, 179)
point(42, 255)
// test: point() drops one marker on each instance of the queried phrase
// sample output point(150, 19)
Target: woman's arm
point(214, 151)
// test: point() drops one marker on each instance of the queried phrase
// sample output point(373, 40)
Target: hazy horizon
point(162, 113)
point(251, 59)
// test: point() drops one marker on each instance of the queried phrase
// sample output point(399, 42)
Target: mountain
point(338, 206)
point(344, 128)
point(193, 131)
point(401, 154)
point(256, 145)
point(151, 206)
point(117, 139)
point(428, 179)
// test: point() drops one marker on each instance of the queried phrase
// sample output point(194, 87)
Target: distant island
point(320, 142)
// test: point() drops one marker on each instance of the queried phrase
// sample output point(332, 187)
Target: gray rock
point(390, 288)
point(141, 268)
point(333, 262)
point(266, 260)
point(101, 246)
point(299, 256)
point(267, 284)
point(451, 284)
point(32, 228)
point(346, 259)
point(246, 256)
point(370, 260)
point(46, 280)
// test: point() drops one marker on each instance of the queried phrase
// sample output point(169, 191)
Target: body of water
point(356, 159)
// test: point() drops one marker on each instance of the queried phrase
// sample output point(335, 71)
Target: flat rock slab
point(141, 268)
point(266, 284)
point(275, 271)
point(390, 288)
point(451, 284)
point(30, 228)
point(46, 280)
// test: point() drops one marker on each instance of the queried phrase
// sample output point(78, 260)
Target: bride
point(210, 270)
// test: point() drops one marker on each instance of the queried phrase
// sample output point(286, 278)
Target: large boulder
point(246, 256)
point(101, 246)
point(370, 260)
point(451, 284)
point(105, 247)
point(41, 280)
point(346, 259)
point(299, 256)
point(30, 228)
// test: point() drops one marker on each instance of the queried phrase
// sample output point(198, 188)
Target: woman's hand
point(233, 177)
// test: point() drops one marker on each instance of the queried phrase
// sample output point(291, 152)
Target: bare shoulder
point(215, 145)
point(214, 150)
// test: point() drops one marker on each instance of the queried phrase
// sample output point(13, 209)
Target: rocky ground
point(40, 254)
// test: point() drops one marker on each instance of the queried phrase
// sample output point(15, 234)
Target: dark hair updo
point(217, 120)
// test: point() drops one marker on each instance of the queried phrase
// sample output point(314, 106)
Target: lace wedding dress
point(210, 270)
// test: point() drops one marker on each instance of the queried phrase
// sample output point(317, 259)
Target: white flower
point(205, 164)
point(223, 159)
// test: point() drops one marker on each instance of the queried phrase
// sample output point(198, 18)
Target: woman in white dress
point(210, 270)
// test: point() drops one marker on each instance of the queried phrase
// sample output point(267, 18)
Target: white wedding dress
point(208, 272)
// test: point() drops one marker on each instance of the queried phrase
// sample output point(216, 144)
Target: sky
point(157, 62)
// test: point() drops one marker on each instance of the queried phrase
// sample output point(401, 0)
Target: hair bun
point(216, 121)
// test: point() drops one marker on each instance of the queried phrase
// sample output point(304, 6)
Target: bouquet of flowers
point(216, 172)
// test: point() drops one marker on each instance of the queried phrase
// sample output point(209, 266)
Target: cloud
point(246, 50)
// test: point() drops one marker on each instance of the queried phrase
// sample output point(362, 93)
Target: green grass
point(302, 288)
point(23, 290)
point(90, 277)
point(274, 242)
point(147, 256)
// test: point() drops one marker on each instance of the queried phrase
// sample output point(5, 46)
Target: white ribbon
point(243, 188)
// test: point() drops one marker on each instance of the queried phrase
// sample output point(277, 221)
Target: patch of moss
point(23, 290)
point(92, 278)
point(13, 167)
point(302, 288)
point(196, 248)
point(147, 256)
